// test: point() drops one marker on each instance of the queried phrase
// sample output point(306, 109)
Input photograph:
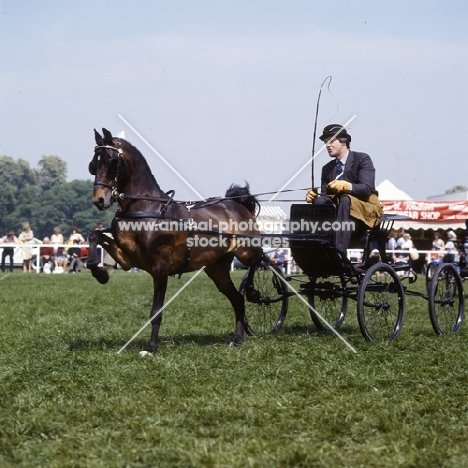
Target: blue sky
point(226, 90)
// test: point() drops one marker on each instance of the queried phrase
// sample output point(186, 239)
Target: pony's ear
point(107, 136)
point(98, 138)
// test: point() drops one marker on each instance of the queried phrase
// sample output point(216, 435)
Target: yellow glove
point(312, 194)
point(339, 186)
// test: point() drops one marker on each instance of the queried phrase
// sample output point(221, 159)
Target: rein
point(116, 195)
point(201, 204)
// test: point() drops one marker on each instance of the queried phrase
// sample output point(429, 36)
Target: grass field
point(294, 399)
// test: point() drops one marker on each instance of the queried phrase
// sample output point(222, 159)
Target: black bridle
point(119, 162)
point(118, 159)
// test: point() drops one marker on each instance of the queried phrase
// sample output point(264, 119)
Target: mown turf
point(295, 399)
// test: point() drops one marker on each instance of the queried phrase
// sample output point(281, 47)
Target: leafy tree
point(53, 172)
point(17, 174)
point(18, 189)
point(457, 188)
point(45, 199)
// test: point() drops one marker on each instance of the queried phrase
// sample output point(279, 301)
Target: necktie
point(339, 170)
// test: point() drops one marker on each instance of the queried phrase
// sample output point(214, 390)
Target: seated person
point(61, 260)
point(9, 238)
point(280, 257)
point(47, 256)
point(438, 244)
point(401, 256)
point(348, 181)
point(74, 254)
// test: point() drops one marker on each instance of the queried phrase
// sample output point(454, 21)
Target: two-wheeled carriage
point(330, 281)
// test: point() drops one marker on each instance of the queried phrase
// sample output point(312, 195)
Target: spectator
point(451, 251)
point(280, 257)
point(57, 238)
point(401, 256)
point(437, 242)
point(74, 254)
point(61, 261)
point(75, 235)
point(60, 256)
point(409, 246)
point(438, 245)
point(26, 237)
point(47, 256)
point(400, 239)
point(9, 238)
point(407, 243)
point(392, 241)
point(463, 252)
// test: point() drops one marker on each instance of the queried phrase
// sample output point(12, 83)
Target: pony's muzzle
point(102, 199)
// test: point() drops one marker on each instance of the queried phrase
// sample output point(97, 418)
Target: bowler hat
point(335, 131)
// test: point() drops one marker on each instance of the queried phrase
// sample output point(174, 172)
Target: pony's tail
point(243, 196)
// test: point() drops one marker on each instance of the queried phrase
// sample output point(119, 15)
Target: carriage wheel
point(328, 298)
point(446, 300)
point(266, 302)
point(381, 304)
point(431, 268)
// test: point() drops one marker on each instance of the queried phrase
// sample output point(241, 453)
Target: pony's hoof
point(233, 344)
point(101, 274)
point(145, 353)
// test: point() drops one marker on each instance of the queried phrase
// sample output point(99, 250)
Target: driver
point(348, 181)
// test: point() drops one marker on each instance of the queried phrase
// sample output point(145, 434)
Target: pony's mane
point(133, 149)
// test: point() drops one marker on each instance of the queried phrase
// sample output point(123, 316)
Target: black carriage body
point(312, 239)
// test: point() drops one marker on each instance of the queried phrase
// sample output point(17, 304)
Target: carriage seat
point(311, 220)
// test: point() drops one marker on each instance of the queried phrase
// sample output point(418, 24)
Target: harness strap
point(144, 214)
point(186, 261)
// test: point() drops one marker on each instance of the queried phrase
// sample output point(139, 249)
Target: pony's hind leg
point(219, 274)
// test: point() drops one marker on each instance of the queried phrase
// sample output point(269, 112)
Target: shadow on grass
point(204, 339)
point(140, 343)
point(313, 331)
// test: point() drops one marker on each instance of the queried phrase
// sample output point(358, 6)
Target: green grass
point(294, 399)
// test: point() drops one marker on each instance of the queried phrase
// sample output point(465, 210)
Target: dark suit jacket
point(359, 171)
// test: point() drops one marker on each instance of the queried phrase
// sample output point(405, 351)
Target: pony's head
point(108, 168)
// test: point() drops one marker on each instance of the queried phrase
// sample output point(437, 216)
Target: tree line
point(45, 199)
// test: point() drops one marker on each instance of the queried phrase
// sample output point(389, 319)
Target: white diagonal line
point(311, 308)
point(308, 162)
point(181, 177)
point(161, 309)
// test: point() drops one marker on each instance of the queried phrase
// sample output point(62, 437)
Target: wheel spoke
point(446, 300)
point(266, 299)
point(329, 298)
point(381, 304)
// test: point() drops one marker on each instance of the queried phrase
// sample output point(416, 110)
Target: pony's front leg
point(92, 262)
point(159, 288)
